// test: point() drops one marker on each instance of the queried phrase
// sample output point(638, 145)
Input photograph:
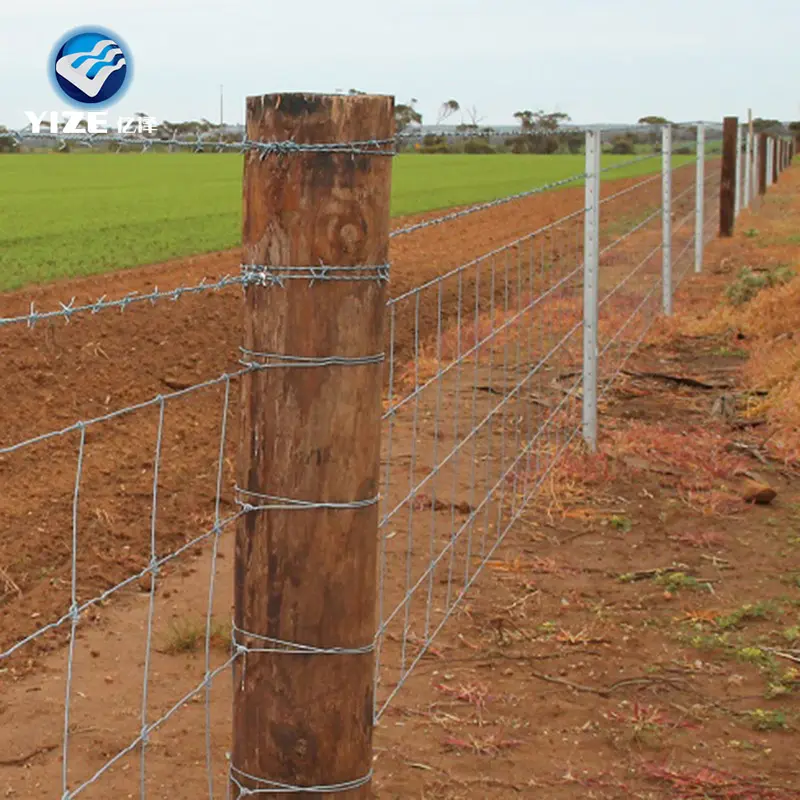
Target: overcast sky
point(598, 60)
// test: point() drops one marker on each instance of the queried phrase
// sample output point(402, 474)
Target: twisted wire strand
point(367, 147)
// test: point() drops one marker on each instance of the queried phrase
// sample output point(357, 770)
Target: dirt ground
point(634, 635)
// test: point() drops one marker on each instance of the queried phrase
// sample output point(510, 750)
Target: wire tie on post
point(276, 787)
point(271, 502)
point(273, 645)
point(270, 275)
point(258, 361)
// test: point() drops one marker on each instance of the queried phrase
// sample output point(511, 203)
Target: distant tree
point(623, 145)
point(406, 114)
point(447, 109)
point(653, 120)
point(473, 117)
point(760, 125)
point(7, 142)
point(538, 131)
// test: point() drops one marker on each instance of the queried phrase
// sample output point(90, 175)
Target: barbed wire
point(68, 310)
point(161, 136)
point(251, 275)
point(366, 147)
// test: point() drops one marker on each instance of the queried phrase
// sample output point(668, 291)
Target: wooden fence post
point(306, 555)
point(762, 163)
point(775, 161)
point(727, 189)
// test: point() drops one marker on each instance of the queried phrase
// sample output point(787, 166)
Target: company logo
point(91, 67)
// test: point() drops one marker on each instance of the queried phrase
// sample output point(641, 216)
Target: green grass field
point(80, 214)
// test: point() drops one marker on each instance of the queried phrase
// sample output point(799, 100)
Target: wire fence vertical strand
point(74, 613)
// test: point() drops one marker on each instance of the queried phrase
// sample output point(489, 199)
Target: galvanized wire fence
point(494, 383)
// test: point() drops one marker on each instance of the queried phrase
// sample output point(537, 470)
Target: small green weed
point(792, 634)
point(730, 352)
point(674, 581)
point(746, 613)
point(620, 523)
point(763, 720)
point(710, 641)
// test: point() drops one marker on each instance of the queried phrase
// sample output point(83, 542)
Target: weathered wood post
point(763, 142)
point(727, 188)
point(308, 472)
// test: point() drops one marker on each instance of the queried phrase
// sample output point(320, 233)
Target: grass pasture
point(82, 214)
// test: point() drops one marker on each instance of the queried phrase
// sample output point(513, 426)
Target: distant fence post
point(738, 178)
point(762, 163)
point(775, 159)
point(774, 162)
point(700, 188)
point(748, 168)
point(309, 450)
point(770, 158)
point(591, 269)
point(727, 187)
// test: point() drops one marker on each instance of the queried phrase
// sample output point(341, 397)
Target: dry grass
point(712, 784)
point(189, 636)
point(768, 329)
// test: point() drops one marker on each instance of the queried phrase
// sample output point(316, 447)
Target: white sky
point(598, 60)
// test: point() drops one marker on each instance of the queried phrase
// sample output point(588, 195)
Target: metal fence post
point(770, 142)
point(666, 215)
point(748, 169)
point(700, 188)
point(305, 592)
point(737, 207)
point(591, 269)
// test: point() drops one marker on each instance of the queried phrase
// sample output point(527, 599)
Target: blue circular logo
point(91, 67)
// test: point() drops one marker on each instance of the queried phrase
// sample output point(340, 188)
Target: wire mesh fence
point(484, 390)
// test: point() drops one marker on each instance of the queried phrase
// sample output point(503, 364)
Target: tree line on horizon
point(540, 132)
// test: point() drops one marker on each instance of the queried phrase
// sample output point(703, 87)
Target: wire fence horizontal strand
point(418, 226)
